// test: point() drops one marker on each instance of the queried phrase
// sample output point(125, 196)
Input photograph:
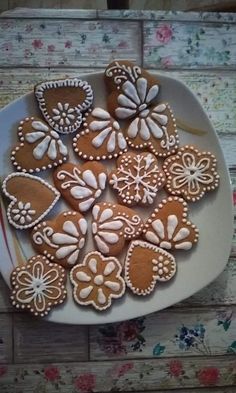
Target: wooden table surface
point(189, 347)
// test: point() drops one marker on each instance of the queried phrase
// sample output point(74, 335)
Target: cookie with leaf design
point(81, 185)
point(63, 101)
point(39, 147)
point(100, 138)
point(113, 225)
point(169, 226)
point(62, 238)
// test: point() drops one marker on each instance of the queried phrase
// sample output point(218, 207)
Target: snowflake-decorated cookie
point(81, 185)
point(31, 197)
point(62, 238)
point(112, 225)
point(169, 227)
point(100, 138)
point(38, 286)
point(63, 101)
point(191, 173)
point(97, 280)
point(137, 178)
point(40, 147)
point(145, 264)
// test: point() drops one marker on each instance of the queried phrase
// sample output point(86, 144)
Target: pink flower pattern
point(37, 44)
point(85, 383)
point(51, 373)
point(164, 33)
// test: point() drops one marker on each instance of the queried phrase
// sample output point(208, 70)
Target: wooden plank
point(5, 305)
point(53, 43)
point(140, 375)
point(151, 14)
point(40, 341)
point(5, 339)
point(50, 13)
point(185, 332)
point(189, 45)
point(4, 5)
point(34, 3)
point(86, 4)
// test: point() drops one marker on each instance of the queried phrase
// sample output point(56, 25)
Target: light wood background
point(148, 355)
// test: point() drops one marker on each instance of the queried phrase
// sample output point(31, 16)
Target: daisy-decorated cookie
point(169, 226)
point(97, 281)
point(100, 138)
point(145, 265)
point(113, 225)
point(191, 173)
point(63, 101)
point(137, 179)
point(62, 238)
point(31, 197)
point(38, 286)
point(81, 185)
point(39, 147)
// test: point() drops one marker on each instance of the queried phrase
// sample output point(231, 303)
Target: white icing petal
point(152, 93)
point(142, 88)
point(83, 225)
point(61, 238)
point(126, 102)
point(93, 265)
point(39, 126)
point(102, 246)
point(106, 214)
point(95, 211)
point(182, 234)
point(72, 259)
point(101, 296)
point(121, 141)
point(85, 292)
point(172, 222)
point(102, 178)
point(82, 276)
point(152, 237)
point(52, 150)
point(184, 246)
point(109, 268)
point(154, 128)
point(114, 225)
point(70, 228)
point(124, 113)
point(62, 148)
point(90, 179)
point(34, 136)
point(100, 138)
point(130, 91)
point(114, 286)
point(85, 205)
point(41, 148)
point(133, 128)
point(79, 192)
point(101, 114)
point(63, 252)
point(159, 228)
point(111, 144)
point(109, 237)
point(98, 125)
point(144, 131)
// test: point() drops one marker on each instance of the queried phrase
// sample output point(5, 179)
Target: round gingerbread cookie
point(137, 179)
point(97, 281)
point(191, 173)
point(38, 286)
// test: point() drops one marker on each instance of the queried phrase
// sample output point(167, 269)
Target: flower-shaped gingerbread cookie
point(101, 137)
point(137, 178)
point(38, 286)
point(168, 226)
point(81, 185)
point(63, 101)
point(112, 225)
point(97, 281)
point(40, 147)
point(62, 238)
point(191, 173)
point(145, 264)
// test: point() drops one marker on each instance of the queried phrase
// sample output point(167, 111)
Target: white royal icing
point(137, 179)
point(120, 72)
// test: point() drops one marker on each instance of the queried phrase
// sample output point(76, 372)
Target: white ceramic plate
point(213, 214)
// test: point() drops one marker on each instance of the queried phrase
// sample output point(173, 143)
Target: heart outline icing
point(64, 118)
point(24, 211)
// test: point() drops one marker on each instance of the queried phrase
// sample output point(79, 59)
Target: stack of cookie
point(139, 134)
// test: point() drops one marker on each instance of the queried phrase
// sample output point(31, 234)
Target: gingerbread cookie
point(154, 129)
point(137, 178)
point(112, 225)
point(169, 227)
point(40, 147)
point(97, 281)
point(131, 89)
point(81, 185)
point(38, 286)
point(31, 197)
point(145, 264)
point(62, 238)
point(63, 101)
point(191, 173)
point(100, 138)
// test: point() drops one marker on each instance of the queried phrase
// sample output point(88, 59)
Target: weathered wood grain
point(40, 341)
point(55, 42)
point(47, 13)
point(5, 339)
point(139, 375)
point(5, 305)
point(189, 45)
point(34, 3)
point(184, 332)
point(4, 5)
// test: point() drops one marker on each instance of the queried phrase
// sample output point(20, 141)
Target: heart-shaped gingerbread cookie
point(145, 264)
point(81, 185)
point(61, 239)
point(112, 225)
point(101, 137)
point(168, 226)
point(31, 199)
point(40, 147)
point(63, 101)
